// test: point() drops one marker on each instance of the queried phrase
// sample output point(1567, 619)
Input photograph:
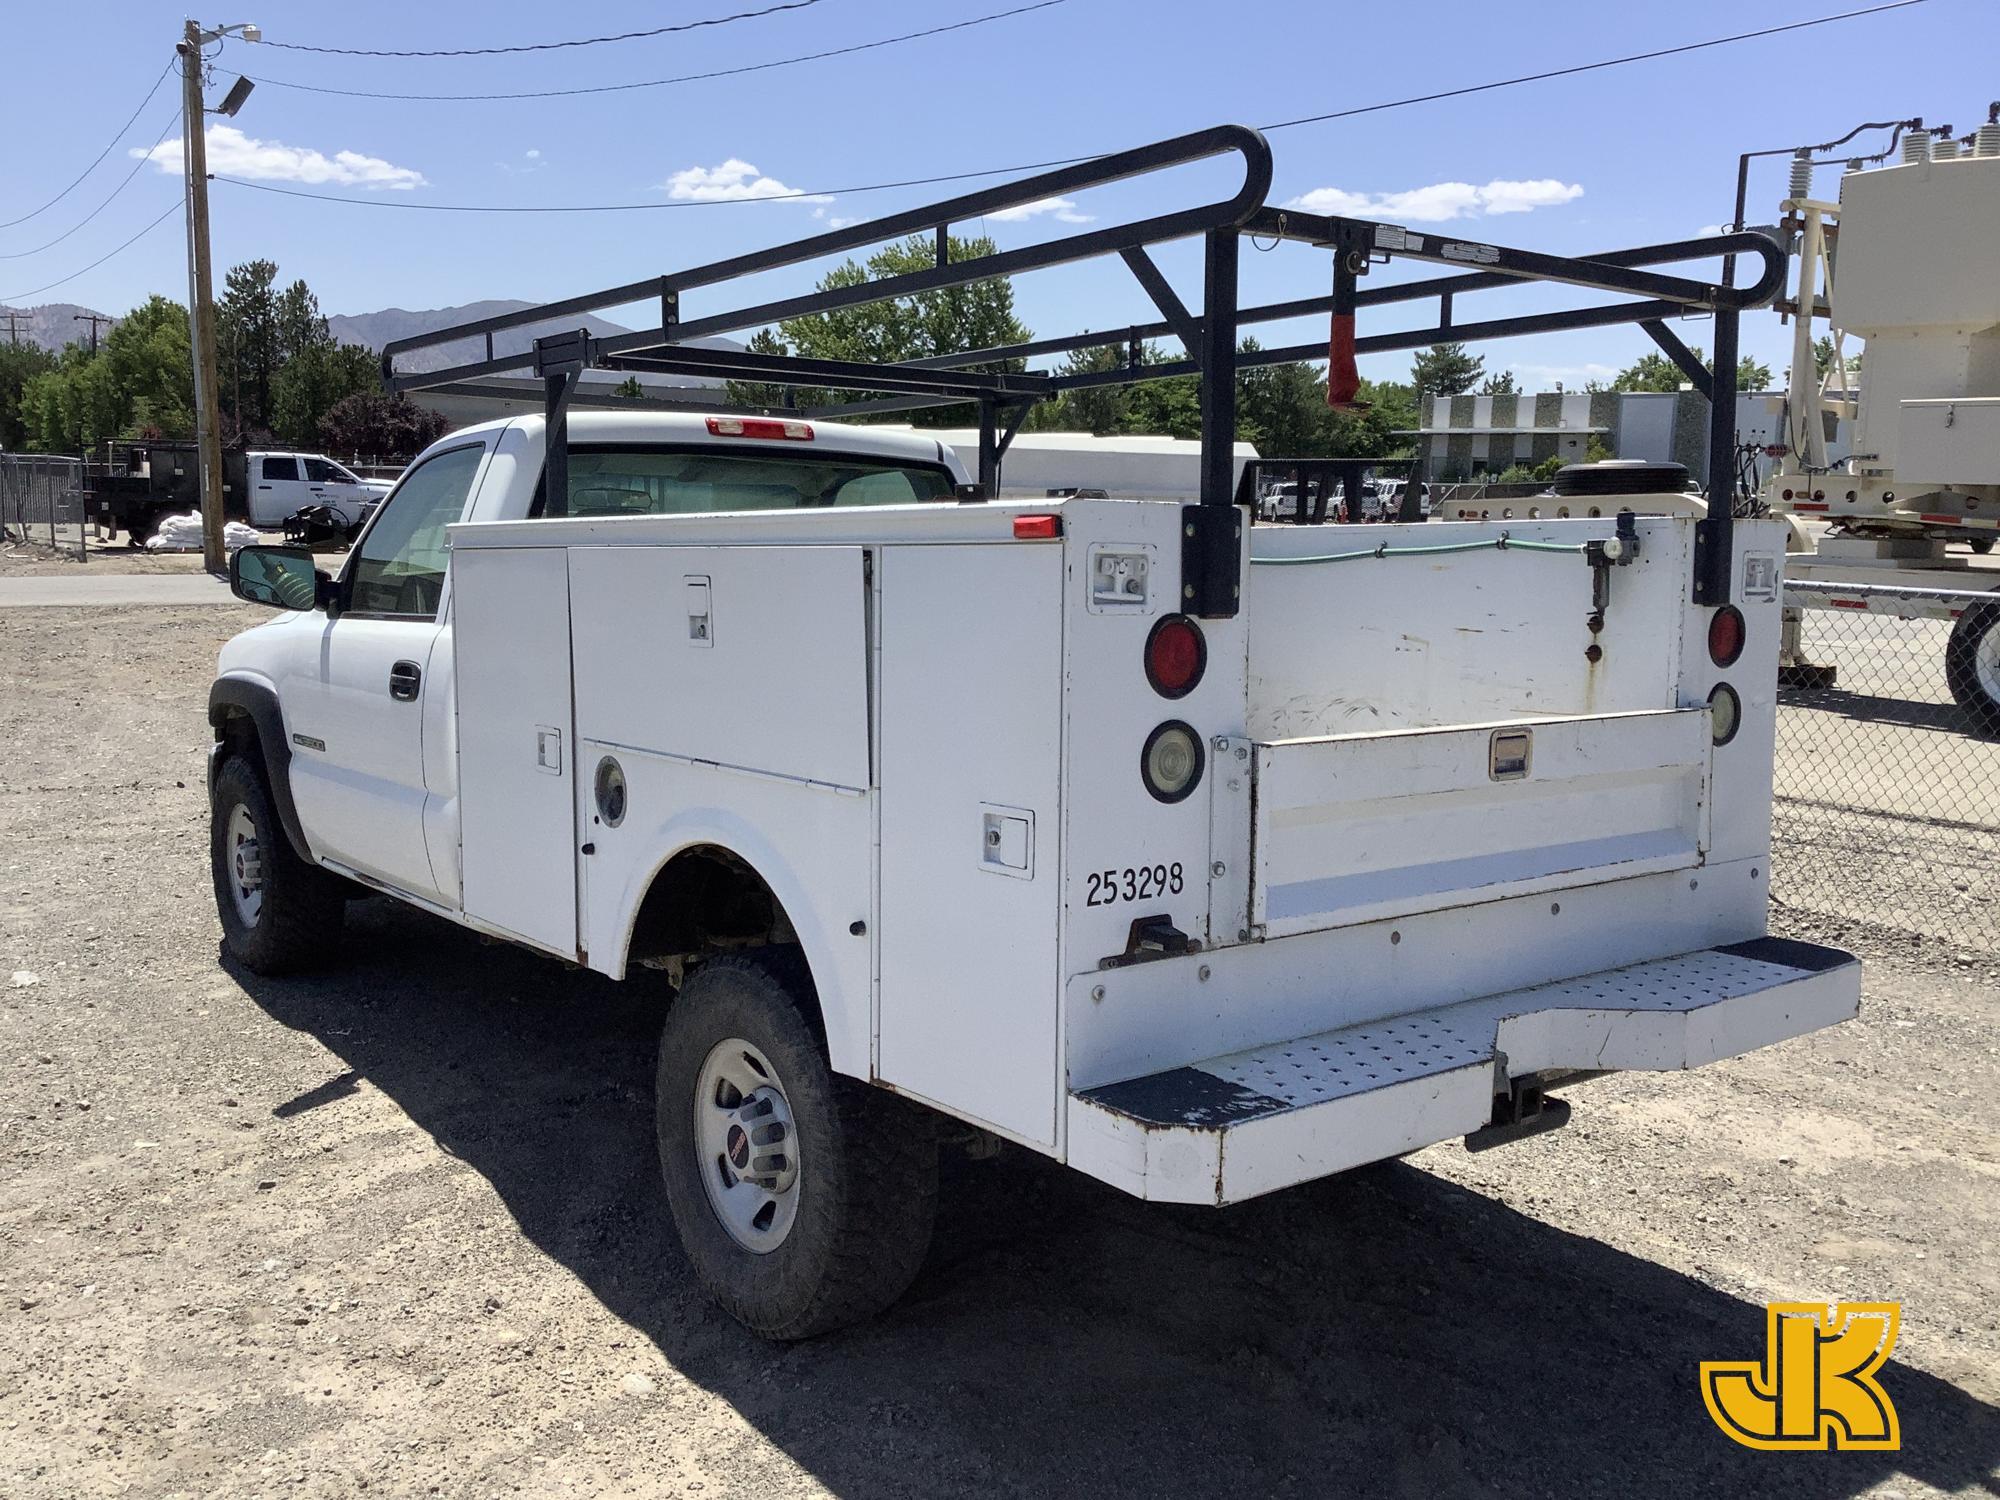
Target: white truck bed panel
point(516, 746)
point(1363, 827)
point(1246, 1123)
point(971, 868)
point(773, 677)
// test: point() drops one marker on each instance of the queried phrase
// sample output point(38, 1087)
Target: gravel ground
point(395, 1229)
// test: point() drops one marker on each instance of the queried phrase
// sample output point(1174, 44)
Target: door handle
point(405, 678)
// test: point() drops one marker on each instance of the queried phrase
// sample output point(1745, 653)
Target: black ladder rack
point(1208, 333)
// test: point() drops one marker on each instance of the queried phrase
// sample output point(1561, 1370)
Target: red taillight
point(1176, 656)
point(1725, 636)
point(761, 427)
point(1037, 528)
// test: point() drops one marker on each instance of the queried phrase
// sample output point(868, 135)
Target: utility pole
point(93, 319)
point(13, 327)
point(201, 301)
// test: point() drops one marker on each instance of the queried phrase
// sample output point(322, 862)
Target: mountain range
point(54, 324)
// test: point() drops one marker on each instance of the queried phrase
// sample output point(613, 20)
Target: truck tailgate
point(1358, 828)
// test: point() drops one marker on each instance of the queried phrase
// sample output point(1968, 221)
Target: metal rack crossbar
point(1207, 333)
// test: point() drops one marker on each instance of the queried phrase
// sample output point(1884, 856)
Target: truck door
point(355, 708)
point(330, 485)
point(277, 489)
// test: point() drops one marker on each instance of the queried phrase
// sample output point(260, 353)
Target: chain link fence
point(42, 501)
point(1887, 806)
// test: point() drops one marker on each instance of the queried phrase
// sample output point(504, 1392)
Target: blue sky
point(1632, 154)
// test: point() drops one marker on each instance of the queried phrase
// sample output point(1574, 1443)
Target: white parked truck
point(1208, 859)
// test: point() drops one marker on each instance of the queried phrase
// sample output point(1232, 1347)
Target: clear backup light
point(1170, 764)
point(1725, 713)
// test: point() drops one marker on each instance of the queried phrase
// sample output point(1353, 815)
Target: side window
point(319, 471)
point(281, 466)
point(398, 567)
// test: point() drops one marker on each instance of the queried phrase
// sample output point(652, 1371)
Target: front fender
point(259, 701)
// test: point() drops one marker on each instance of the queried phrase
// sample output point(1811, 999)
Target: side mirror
point(284, 577)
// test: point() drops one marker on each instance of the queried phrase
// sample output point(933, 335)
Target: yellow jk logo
point(1816, 1387)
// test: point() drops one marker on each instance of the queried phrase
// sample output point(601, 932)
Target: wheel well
point(236, 730)
point(705, 901)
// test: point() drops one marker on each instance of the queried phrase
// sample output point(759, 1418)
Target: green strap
point(1501, 543)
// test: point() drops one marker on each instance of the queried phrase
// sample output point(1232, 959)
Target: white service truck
point(1207, 859)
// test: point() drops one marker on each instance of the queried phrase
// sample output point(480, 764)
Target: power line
point(656, 83)
point(137, 167)
point(619, 208)
point(588, 41)
point(10, 223)
point(51, 286)
point(875, 187)
point(1613, 62)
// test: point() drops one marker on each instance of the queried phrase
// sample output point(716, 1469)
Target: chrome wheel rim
point(245, 858)
point(747, 1146)
point(1986, 662)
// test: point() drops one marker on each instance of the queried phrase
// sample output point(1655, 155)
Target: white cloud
point(1061, 209)
point(231, 153)
point(733, 181)
point(1708, 229)
point(1441, 201)
point(533, 153)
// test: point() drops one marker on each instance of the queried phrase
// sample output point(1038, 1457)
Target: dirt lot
point(395, 1229)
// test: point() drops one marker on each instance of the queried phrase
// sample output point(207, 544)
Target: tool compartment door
point(516, 742)
point(1359, 828)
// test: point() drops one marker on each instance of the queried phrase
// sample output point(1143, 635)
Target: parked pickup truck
point(149, 480)
point(937, 821)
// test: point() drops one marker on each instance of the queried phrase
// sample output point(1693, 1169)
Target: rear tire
point(1972, 667)
point(279, 914)
point(804, 1199)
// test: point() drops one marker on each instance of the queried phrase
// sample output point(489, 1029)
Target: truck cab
point(281, 484)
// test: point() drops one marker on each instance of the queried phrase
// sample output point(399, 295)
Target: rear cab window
point(630, 480)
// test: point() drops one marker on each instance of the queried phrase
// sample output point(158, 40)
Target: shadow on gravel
point(1867, 708)
point(1381, 1333)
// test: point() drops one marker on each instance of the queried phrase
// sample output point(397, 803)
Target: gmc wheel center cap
point(738, 1143)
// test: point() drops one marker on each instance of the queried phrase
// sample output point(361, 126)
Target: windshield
point(607, 481)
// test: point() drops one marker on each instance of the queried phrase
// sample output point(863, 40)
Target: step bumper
point(1234, 1127)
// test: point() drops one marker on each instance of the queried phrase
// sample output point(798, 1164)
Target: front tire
point(1972, 667)
point(804, 1199)
point(279, 914)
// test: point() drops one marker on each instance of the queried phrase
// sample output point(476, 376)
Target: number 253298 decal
point(1135, 883)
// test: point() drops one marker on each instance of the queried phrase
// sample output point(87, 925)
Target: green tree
point(629, 387)
point(1282, 408)
point(1445, 370)
point(1823, 358)
point(1655, 372)
point(945, 320)
point(19, 363)
point(248, 350)
point(379, 426)
point(313, 381)
point(298, 324)
point(142, 377)
point(1502, 384)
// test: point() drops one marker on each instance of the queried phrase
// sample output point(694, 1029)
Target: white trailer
point(1925, 469)
point(1206, 858)
point(1134, 466)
